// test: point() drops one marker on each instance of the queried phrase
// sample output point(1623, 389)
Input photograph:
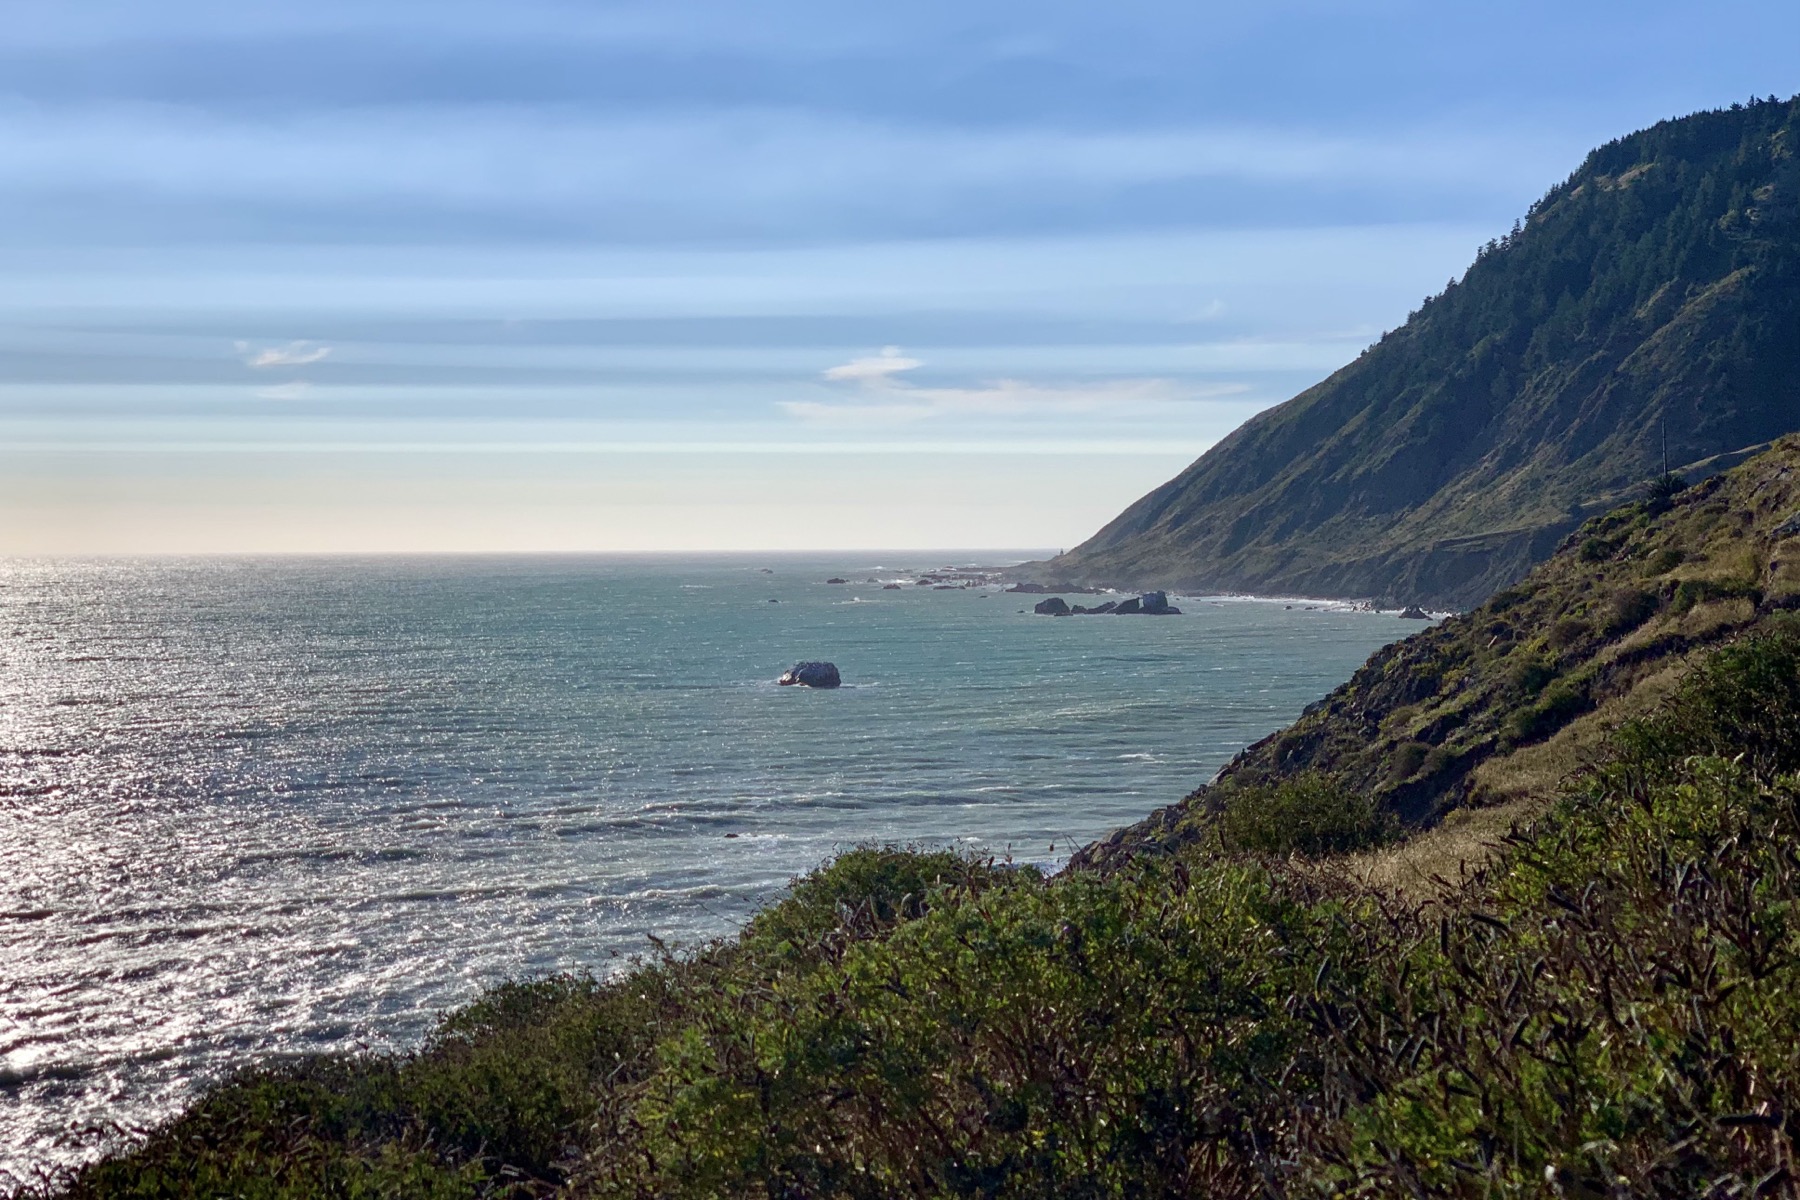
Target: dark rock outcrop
point(1156, 604)
point(1153, 604)
point(1412, 612)
point(811, 674)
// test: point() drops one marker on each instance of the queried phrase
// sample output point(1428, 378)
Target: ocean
point(262, 807)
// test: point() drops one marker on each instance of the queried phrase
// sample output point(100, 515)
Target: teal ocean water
point(264, 807)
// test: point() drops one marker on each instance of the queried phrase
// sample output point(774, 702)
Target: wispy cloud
point(816, 413)
point(889, 363)
point(294, 354)
point(882, 397)
point(295, 390)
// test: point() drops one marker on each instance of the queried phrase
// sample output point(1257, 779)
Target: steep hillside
point(1656, 291)
point(1498, 703)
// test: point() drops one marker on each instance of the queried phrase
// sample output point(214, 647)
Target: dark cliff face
point(1656, 291)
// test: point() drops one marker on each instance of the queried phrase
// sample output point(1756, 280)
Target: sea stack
point(811, 674)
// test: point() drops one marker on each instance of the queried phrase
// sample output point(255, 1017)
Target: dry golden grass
point(1538, 771)
point(1708, 622)
point(1510, 790)
point(1425, 865)
point(1783, 578)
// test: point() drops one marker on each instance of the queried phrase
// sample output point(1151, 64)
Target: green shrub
point(1441, 759)
point(1743, 700)
point(1663, 490)
point(1310, 814)
point(1561, 703)
point(1663, 561)
point(1567, 632)
point(1505, 598)
point(1688, 593)
point(1692, 592)
point(1628, 608)
point(1529, 675)
point(1408, 758)
point(866, 889)
point(1596, 549)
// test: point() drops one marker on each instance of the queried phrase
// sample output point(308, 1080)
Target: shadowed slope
point(1658, 288)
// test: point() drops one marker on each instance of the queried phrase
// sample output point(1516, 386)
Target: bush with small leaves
point(1529, 675)
point(1408, 758)
point(1628, 608)
point(1597, 549)
point(1561, 703)
point(1310, 814)
point(1567, 632)
point(1690, 593)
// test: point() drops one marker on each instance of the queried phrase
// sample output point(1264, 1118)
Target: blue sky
point(460, 276)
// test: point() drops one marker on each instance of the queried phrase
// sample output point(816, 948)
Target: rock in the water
point(1127, 607)
point(1100, 609)
point(811, 674)
point(835, 579)
point(1156, 604)
point(1413, 612)
point(1055, 606)
point(890, 587)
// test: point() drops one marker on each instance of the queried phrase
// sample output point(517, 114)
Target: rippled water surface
point(262, 807)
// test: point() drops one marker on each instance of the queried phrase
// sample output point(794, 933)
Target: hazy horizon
point(469, 278)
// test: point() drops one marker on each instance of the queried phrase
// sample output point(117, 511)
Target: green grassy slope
point(1658, 287)
point(1610, 1007)
point(1416, 731)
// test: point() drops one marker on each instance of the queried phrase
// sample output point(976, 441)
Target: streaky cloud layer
point(390, 276)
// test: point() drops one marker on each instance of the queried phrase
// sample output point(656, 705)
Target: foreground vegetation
point(1609, 1005)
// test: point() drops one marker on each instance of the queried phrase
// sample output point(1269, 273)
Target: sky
point(707, 275)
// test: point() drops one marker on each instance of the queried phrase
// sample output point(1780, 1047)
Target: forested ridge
point(1653, 297)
